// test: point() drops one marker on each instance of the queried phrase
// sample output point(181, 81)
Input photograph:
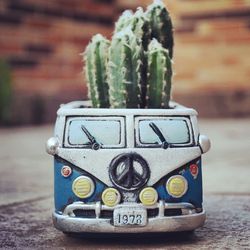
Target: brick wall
point(211, 64)
point(42, 42)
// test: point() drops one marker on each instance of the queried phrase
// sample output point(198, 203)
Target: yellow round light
point(83, 187)
point(111, 197)
point(177, 186)
point(148, 196)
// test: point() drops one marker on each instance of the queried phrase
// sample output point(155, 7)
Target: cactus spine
point(161, 25)
point(159, 76)
point(96, 57)
point(125, 67)
point(135, 69)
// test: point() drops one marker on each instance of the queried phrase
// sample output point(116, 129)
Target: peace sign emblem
point(129, 171)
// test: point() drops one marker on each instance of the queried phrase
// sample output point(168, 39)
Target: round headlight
point(148, 196)
point(83, 187)
point(177, 186)
point(111, 197)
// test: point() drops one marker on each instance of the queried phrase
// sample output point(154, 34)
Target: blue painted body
point(65, 196)
point(194, 192)
point(63, 186)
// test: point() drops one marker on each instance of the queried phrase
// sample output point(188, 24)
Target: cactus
point(125, 68)
point(137, 61)
point(96, 59)
point(159, 76)
point(161, 25)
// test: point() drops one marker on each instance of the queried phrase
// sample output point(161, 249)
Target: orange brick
point(9, 48)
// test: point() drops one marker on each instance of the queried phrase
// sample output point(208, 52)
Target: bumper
point(68, 223)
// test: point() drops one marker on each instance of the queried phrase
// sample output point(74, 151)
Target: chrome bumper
point(189, 220)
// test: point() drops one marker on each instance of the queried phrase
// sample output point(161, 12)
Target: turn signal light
point(194, 170)
point(148, 196)
point(66, 171)
point(177, 186)
point(83, 187)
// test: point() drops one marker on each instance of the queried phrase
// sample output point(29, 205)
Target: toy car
point(127, 170)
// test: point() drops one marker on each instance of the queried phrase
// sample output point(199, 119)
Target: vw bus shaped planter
point(127, 170)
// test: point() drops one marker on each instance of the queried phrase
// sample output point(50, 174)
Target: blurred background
point(41, 66)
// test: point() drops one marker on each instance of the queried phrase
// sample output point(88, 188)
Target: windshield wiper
point(94, 144)
point(164, 143)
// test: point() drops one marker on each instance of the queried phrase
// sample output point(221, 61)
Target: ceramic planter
point(127, 170)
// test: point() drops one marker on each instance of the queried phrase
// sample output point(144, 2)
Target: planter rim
point(84, 108)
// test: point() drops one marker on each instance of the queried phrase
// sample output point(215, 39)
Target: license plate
point(126, 216)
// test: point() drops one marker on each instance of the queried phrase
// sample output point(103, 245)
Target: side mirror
point(204, 143)
point(52, 146)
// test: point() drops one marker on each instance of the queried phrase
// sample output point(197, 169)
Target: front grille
point(82, 213)
point(96, 210)
point(106, 214)
point(85, 213)
point(172, 212)
point(152, 212)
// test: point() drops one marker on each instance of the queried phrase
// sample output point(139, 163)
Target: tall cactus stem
point(125, 67)
point(161, 25)
point(140, 26)
point(96, 60)
point(159, 76)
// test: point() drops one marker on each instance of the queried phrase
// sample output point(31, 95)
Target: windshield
point(173, 131)
point(83, 132)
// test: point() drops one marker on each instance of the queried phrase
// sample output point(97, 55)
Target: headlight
point(83, 187)
point(177, 186)
point(148, 196)
point(111, 197)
